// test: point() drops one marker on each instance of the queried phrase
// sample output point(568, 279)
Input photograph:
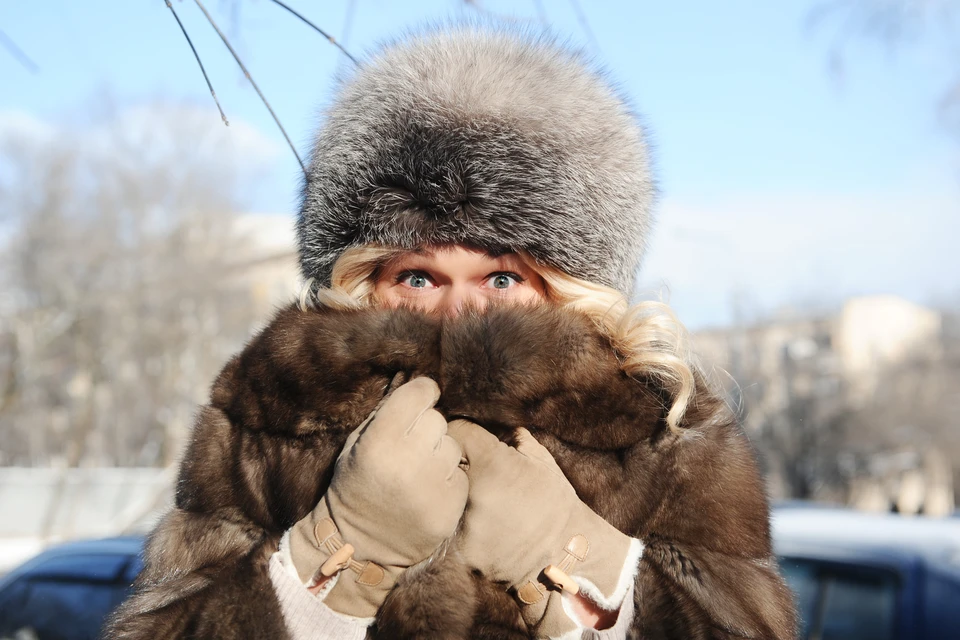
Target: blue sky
point(783, 183)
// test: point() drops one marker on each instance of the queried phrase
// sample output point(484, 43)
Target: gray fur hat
point(486, 137)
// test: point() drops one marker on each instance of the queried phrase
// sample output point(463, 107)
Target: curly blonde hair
point(648, 338)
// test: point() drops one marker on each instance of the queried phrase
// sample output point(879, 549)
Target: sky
point(787, 181)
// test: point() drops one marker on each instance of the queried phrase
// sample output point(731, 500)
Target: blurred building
point(270, 267)
point(876, 332)
point(848, 407)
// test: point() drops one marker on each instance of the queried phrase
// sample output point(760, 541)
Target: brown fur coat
point(263, 450)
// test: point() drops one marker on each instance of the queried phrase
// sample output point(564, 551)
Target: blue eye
point(504, 280)
point(414, 279)
point(417, 282)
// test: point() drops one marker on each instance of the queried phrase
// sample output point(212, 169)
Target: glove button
point(371, 575)
point(530, 593)
point(578, 547)
point(323, 530)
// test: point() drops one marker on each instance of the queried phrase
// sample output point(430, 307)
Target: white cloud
point(240, 138)
point(272, 234)
point(23, 125)
point(783, 249)
point(189, 129)
point(160, 128)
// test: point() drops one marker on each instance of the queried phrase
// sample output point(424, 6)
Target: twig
point(196, 55)
point(18, 53)
point(326, 35)
point(243, 68)
point(582, 19)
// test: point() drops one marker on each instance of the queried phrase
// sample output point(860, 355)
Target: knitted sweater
point(308, 618)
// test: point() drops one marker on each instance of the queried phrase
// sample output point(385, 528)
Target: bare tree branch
point(243, 68)
point(889, 21)
point(892, 23)
point(326, 35)
point(213, 93)
point(18, 53)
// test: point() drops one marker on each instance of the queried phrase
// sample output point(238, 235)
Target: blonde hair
point(647, 336)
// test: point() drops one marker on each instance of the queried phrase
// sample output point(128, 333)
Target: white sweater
point(308, 618)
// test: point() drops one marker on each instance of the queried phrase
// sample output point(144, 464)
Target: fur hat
point(488, 137)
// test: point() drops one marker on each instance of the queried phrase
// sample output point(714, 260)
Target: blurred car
point(860, 576)
point(67, 591)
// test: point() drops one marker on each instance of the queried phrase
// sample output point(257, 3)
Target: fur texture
point(263, 451)
point(492, 138)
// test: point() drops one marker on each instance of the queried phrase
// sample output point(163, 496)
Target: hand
point(522, 517)
point(397, 493)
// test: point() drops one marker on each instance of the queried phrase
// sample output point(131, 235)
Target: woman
point(476, 208)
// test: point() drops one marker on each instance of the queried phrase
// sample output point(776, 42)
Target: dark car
point(871, 577)
point(67, 591)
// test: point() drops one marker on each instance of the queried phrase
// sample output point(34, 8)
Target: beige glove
point(397, 493)
point(524, 520)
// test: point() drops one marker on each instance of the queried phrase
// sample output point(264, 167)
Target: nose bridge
point(459, 295)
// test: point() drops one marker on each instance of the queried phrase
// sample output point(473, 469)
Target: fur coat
point(263, 450)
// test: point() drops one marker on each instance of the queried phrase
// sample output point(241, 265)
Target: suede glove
point(523, 520)
point(397, 493)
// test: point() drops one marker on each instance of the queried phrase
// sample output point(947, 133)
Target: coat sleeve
point(205, 570)
point(260, 457)
point(694, 497)
point(697, 502)
point(708, 569)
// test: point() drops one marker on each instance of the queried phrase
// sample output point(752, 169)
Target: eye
point(503, 280)
point(415, 279)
